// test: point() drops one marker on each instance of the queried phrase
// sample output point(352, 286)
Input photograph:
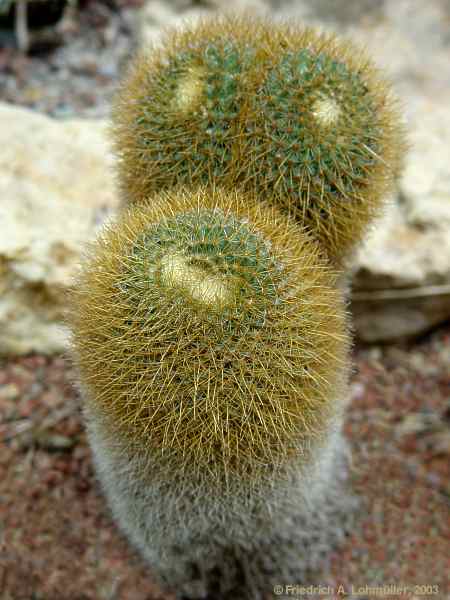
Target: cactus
point(303, 119)
point(211, 343)
point(324, 136)
point(176, 116)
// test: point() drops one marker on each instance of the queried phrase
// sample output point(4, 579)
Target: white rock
point(56, 186)
point(402, 274)
point(157, 15)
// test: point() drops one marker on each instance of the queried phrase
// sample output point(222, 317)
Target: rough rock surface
point(55, 188)
point(159, 14)
point(402, 275)
point(401, 283)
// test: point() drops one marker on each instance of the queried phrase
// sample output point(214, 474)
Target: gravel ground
point(78, 76)
point(58, 541)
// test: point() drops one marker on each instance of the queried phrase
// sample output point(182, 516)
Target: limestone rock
point(401, 284)
point(156, 15)
point(56, 187)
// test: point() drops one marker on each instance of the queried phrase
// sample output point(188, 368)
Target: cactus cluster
point(301, 118)
point(209, 324)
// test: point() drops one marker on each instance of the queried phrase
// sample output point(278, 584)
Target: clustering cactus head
point(176, 119)
point(301, 118)
point(208, 332)
point(322, 134)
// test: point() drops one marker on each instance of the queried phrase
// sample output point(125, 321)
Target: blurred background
point(60, 63)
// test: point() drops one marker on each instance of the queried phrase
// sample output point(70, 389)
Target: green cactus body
point(320, 140)
point(211, 343)
point(323, 137)
point(197, 98)
point(300, 118)
point(176, 120)
point(220, 322)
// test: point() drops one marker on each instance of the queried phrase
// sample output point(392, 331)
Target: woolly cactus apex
point(302, 118)
point(211, 345)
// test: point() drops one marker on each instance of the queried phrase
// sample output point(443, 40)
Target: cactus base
point(229, 545)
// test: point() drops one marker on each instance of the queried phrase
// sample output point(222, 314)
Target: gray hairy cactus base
point(230, 546)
